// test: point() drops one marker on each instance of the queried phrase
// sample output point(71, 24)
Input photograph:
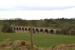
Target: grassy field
point(41, 40)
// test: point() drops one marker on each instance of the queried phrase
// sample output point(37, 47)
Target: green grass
point(41, 40)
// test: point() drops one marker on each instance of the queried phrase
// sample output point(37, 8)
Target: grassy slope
point(41, 40)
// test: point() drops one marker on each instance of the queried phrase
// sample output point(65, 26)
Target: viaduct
point(34, 29)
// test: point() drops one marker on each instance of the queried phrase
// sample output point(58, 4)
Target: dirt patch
point(26, 45)
point(17, 45)
point(64, 47)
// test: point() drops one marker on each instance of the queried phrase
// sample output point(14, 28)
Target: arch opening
point(33, 30)
point(46, 30)
point(22, 29)
point(51, 31)
point(41, 30)
point(29, 29)
point(25, 29)
point(37, 30)
point(19, 28)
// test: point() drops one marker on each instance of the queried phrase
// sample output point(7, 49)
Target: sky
point(37, 9)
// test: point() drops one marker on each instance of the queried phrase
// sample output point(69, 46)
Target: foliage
point(6, 28)
point(61, 23)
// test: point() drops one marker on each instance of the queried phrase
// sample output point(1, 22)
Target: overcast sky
point(37, 9)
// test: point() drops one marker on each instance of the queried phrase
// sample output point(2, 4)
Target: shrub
point(7, 28)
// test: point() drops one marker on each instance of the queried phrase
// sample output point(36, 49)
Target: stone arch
point(16, 28)
point(33, 30)
point(46, 30)
point(41, 30)
point(22, 29)
point(25, 29)
point(37, 30)
point(19, 28)
point(51, 31)
point(29, 29)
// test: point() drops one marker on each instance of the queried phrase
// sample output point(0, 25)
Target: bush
point(7, 28)
point(68, 31)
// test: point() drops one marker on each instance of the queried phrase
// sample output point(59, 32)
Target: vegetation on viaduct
point(66, 25)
